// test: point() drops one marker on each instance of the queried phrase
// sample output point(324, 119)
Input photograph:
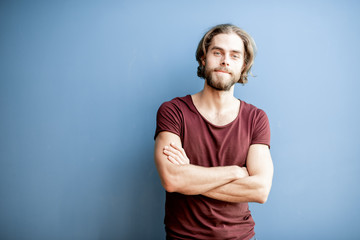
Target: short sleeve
point(168, 119)
point(261, 129)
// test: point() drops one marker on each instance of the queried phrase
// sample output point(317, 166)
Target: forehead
point(229, 42)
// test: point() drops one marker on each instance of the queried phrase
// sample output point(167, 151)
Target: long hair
point(249, 47)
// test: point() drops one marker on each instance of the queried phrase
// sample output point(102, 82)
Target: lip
point(222, 71)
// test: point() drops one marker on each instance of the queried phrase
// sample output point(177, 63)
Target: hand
point(243, 172)
point(176, 155)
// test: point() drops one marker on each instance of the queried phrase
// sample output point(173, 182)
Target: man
point(212, 149)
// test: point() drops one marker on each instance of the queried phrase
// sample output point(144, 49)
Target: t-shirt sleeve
point(168, 119)
point(261, 130)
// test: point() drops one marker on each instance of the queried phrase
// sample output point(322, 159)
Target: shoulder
point(258, 123)
point(250, 110)
point(176, 104)
point(254, 116)
point(170, 116)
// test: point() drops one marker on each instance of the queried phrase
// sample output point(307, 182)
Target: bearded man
point(212, 149)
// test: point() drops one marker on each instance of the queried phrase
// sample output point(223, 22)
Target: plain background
point(80, 84)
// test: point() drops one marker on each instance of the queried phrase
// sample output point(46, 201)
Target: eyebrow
point(219, 48)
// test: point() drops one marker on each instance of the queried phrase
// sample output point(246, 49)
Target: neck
point(216, 100)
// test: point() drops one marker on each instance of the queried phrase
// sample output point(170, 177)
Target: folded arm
point(254, 184)
point(253, 188)
point(178, 175)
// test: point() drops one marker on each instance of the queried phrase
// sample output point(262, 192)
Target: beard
point(218, 83)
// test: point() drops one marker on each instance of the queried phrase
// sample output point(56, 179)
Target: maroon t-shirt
point(208, 145)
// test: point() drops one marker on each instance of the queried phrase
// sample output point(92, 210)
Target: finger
point(176, 160)
point(174, 156)
point(180, 149)
point(168, 149)
point(173, 160)
point(175, 151)
point(179, 160)
point(166, 152)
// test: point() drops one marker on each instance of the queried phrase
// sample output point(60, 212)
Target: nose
point(225, 60)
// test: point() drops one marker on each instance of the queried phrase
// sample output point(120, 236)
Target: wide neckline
point(212, 124)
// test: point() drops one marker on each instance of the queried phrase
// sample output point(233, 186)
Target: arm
point(254, 188)
point(177, 175)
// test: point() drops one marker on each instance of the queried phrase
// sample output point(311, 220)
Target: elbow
point(263, 194)
point(172, 184)
point(169, 184)
point(262, 199)
point(169, 187)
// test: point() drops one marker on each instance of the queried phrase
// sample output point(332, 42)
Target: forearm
point(248, 189)
point(253, 188)
point(192, 180)
point(177, 175)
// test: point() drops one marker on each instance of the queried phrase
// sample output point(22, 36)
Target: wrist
point(236, 172)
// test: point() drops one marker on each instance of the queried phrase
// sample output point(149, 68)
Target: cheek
point(242, 68)
point(239, 71)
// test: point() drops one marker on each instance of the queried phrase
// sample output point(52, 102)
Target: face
point(224, 61)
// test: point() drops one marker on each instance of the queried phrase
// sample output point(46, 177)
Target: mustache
point(223, 69)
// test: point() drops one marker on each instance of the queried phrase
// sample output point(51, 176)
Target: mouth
point(222, 71)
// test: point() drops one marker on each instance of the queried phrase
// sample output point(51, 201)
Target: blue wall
point(80, 83)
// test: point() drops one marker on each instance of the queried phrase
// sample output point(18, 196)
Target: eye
point(236, 56)
point(217, 53)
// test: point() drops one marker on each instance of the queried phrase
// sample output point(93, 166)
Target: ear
point(203, 60)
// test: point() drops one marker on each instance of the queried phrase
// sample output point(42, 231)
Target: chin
point(219, 86)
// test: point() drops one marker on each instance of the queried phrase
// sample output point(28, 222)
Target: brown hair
point(249, 47)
